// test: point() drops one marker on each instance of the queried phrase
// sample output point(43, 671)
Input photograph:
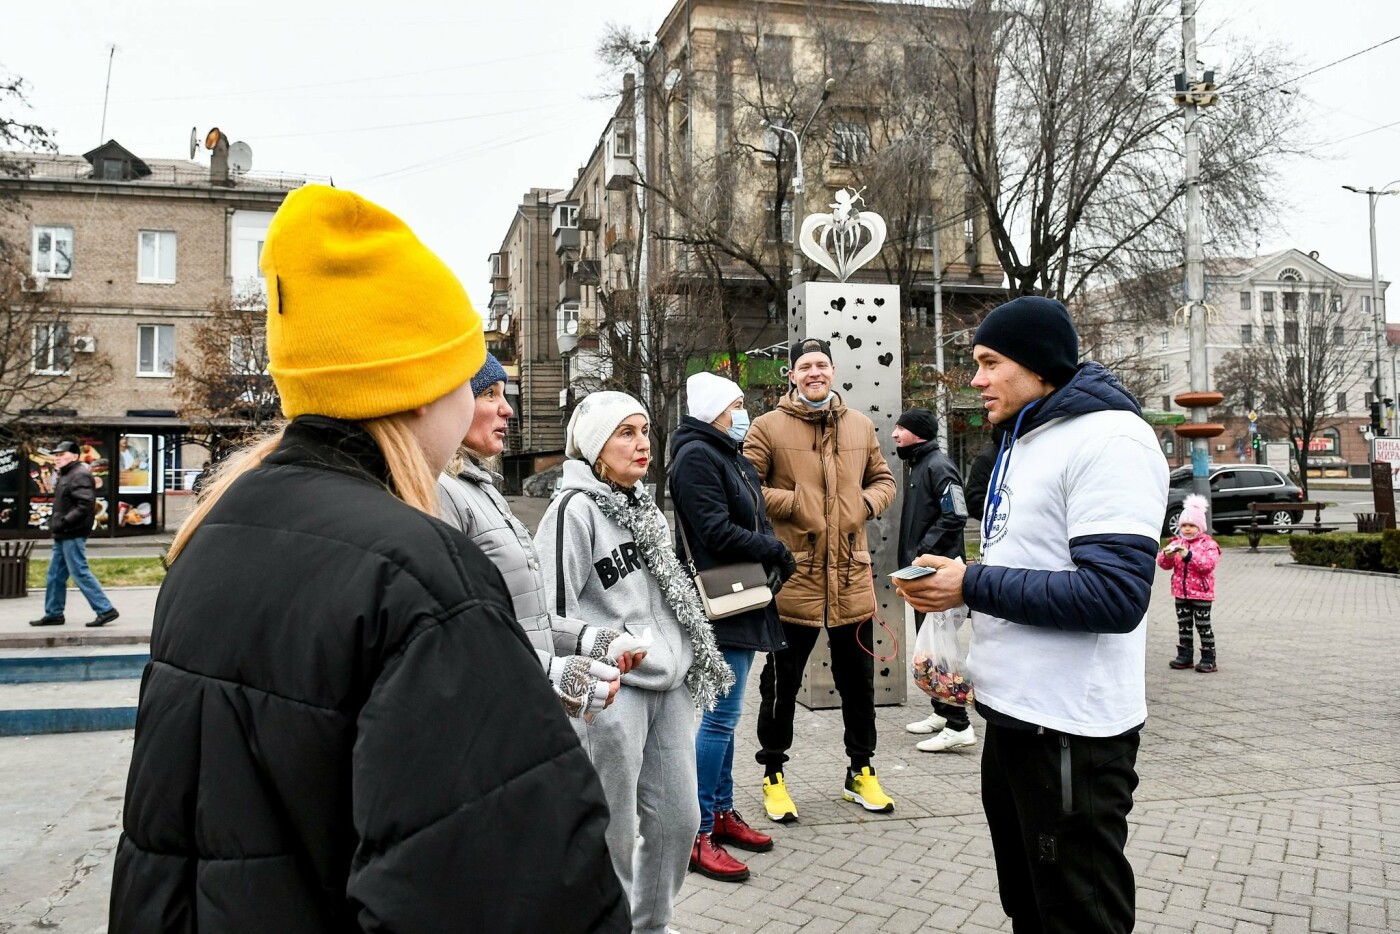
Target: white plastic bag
point(940, 667)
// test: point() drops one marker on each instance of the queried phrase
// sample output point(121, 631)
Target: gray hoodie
point(606, 582)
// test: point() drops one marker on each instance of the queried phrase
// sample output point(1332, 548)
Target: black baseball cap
point(66, 447)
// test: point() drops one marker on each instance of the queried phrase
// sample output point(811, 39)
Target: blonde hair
point(411, 478)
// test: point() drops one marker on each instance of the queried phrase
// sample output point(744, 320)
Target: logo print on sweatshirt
point(1001, 519)
point(612, 568)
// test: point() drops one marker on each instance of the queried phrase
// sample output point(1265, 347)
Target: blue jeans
point(70, 558)
point(714, 743)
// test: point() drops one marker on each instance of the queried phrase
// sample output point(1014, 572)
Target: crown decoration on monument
point(844, 240)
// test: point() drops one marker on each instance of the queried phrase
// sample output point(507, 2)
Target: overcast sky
point(446, 114)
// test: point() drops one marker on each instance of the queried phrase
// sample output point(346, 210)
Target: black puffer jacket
point(930, 523)
point(717, 496)
point(342, 728)
point(74, 503)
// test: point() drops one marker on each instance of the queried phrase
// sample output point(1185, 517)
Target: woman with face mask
point(719, 506)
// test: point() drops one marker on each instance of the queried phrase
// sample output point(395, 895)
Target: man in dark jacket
point(74, 505)
point(979, 474)
point(931, 523)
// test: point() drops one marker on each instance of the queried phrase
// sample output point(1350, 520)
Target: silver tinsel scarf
point(709, 675)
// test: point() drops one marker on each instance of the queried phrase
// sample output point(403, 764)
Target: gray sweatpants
point(643, 748)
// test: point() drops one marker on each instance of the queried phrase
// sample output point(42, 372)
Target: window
point(1266, 301)
point(53, 252)
point(1290, 333)
point(1339, 336)
point(1246, 301)
point(157, 259)
point(1166, 339)
point(774, 141)
point(1164, 372)
point(155, 350)
point(1315, 303)
point(622, 139)
point(774, 233)
point(1365, 304)
point(566, 216)
point(1341, 402)
point(497, 265)
point(924, 232)
point(1270, 334)
point(247, 354)
point(850, 142)
point(1246, 333)
point(1290, 303)
point(1223, 481)
point(1166, 403)
point(775, 59)
point(1141, 344)
point(53, 351)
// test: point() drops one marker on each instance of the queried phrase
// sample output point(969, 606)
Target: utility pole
point(1195, 256)
point(639, 111)
point(938, 337)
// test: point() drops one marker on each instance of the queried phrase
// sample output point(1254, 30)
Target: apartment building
point(1278, 301)
point(129, 254)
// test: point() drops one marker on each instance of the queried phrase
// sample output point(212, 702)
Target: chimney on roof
point(218, 162)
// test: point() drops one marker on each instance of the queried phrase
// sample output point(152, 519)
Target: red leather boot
point(731, 828)
point(708, 858)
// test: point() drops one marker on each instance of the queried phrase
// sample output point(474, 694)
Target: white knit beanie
point(594, 421)
point(708, 395)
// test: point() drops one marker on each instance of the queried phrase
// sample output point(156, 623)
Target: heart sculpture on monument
point(844, 240)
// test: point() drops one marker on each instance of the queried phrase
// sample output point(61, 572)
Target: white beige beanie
point(708, 395)
point(594, 421)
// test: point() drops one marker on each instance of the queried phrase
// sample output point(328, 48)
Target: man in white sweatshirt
point(1058, 603)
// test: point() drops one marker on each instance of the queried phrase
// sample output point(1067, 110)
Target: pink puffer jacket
point(1192, 579)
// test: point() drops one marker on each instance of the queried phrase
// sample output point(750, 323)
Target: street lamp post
point(1377, 316)
point(798, 186)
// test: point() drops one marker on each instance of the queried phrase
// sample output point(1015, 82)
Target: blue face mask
point(739, 424)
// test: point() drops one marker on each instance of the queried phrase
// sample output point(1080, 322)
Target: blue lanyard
point(1008, 442)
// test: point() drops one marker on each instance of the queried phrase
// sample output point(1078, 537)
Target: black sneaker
point(104, 618)
point(48, 621)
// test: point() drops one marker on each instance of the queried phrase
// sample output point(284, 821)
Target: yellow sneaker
point(864, 789)
point(776, 800)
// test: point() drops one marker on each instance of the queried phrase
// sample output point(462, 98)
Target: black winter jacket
point(717, 496)
point(74, 503)
point(342, 728)
point(929, 523)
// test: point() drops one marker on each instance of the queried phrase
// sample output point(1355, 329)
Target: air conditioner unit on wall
point(85, 344)
point(35, 284)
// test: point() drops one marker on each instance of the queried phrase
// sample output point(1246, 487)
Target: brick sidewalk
point(1270, 795)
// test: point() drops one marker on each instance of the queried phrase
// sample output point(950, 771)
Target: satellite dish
point(571, 326)
point(194, 141)
point(212, 138)
point(240, 157)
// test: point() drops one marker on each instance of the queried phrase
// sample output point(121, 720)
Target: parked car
point(1232, 488)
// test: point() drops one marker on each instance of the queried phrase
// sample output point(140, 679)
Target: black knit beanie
point(1035, 332)
point(921, 422)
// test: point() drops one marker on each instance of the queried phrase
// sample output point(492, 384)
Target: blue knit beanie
point(490, 374)
point(1035, 332)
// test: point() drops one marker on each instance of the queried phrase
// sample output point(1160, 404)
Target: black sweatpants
point(1059, 843)
point(853, 670)
point(955, 715)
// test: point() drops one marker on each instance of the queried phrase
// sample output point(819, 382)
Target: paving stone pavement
point(1269, 802)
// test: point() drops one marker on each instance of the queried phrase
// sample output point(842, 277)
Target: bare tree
point(1293, 379)
point(1061, 113)
point(38, 369)
point(18, 137)
point(224, 384)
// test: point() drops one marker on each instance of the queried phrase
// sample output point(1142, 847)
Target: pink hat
point(1193, 510)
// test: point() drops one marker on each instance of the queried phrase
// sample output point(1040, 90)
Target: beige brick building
point(130, 254)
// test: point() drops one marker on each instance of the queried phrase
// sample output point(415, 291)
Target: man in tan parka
point(823, 477)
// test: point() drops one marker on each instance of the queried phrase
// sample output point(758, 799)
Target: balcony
point(588, 271)
point(568, 290)
point(589, 217)
point(618, 169)
point(565, 239)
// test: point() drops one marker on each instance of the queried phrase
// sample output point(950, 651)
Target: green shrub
point(1390, 550)
point(1351, 550)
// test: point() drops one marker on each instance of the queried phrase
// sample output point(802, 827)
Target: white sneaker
point(930, 724)
point(948, 739)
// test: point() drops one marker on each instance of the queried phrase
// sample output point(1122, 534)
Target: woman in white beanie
point(719, 511)
point(607, 556)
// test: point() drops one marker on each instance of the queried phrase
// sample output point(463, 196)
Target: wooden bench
point(1256, 530)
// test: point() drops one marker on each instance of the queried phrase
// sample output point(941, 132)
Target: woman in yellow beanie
point(342, 727)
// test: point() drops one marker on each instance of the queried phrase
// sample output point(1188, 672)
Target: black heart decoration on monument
point(885, 359)
point(870, 318)
point(838, 303)
point(847, 386)
point(853, 342)
point(879, 302)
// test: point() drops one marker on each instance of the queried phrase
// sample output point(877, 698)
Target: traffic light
point(1377, 423)
point(1254, 443)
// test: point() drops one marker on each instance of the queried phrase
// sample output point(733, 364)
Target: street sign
point(1253, 428)
point(1388, 449)
point(1253, 416)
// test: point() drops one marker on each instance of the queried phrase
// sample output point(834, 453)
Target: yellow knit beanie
point(362, 319)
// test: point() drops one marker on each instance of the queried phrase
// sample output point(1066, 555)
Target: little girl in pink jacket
point(1191, 556)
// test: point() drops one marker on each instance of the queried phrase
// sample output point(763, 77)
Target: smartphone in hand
point(912, 572)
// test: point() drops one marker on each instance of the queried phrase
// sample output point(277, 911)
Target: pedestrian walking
point(342, 728)
point(606, 552)
point(583, 663)
point(823, 478)
point(931, 522)
point(1192, 556)
point(70, 524)
point(1058, 605)
point(719, 512)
